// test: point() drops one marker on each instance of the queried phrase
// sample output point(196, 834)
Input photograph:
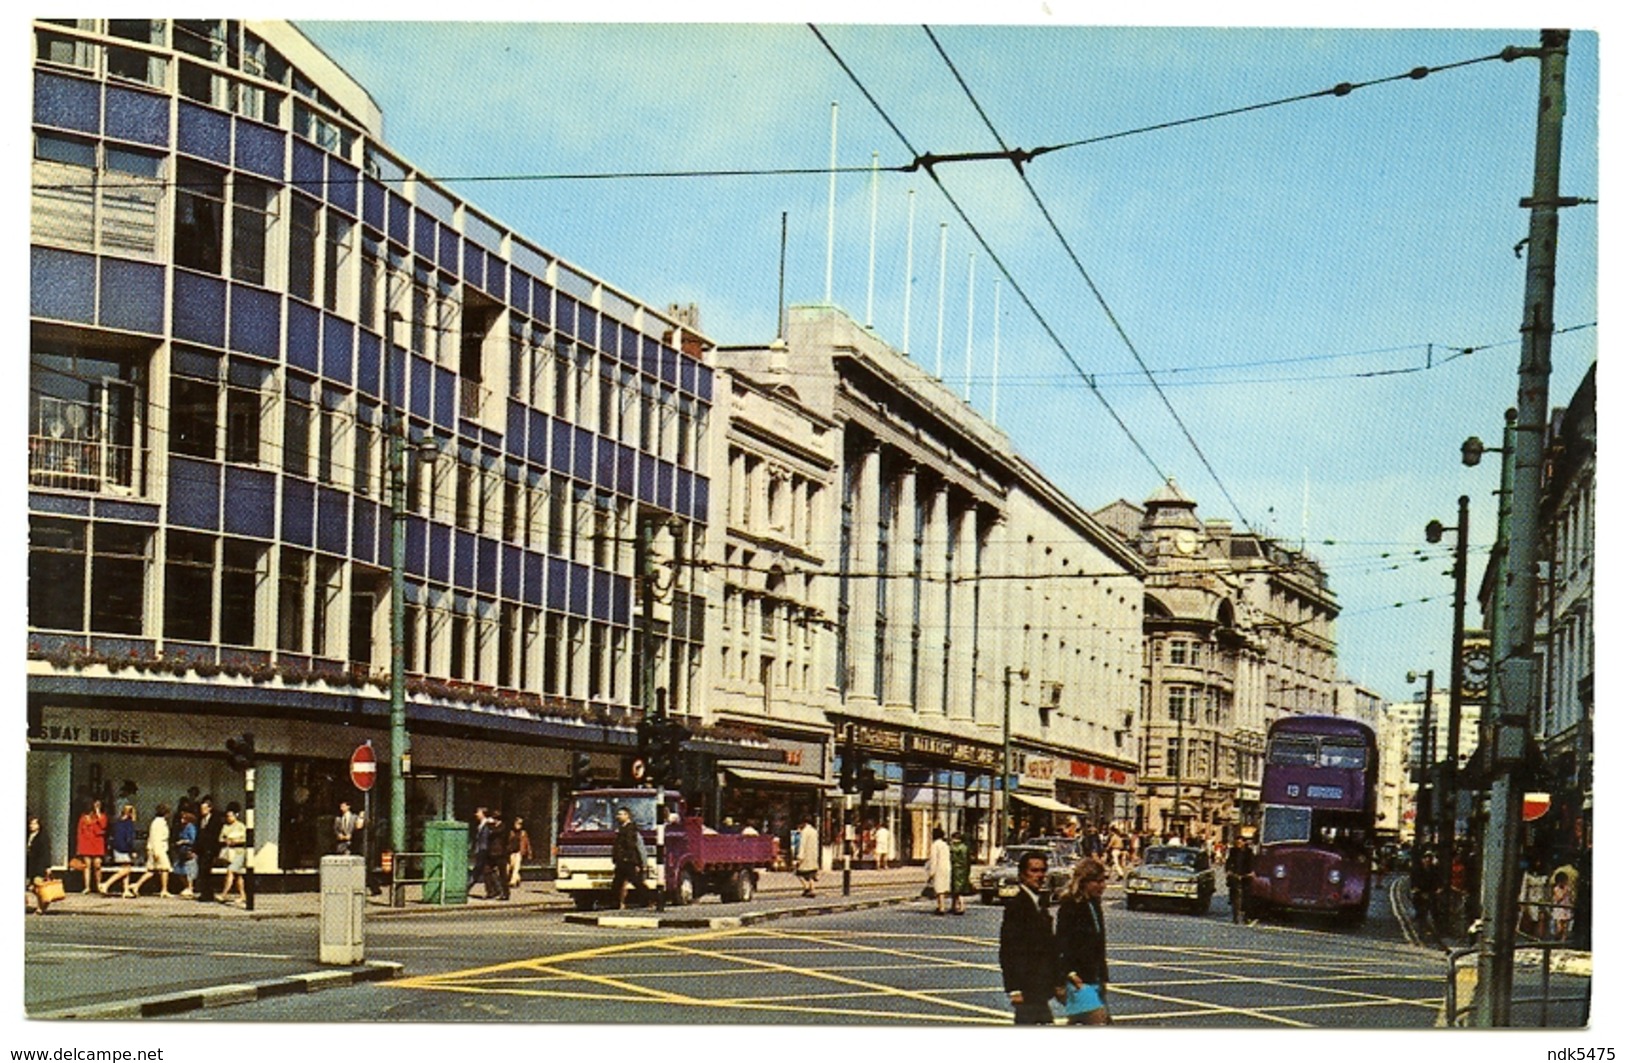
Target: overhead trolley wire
point(1094, 290)
point(997, 261)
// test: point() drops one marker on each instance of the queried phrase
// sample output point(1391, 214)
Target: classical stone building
point(1238, 632)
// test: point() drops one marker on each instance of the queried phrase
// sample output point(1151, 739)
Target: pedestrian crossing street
point(762, 974)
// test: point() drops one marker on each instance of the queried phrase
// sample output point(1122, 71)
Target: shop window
point(188, 586)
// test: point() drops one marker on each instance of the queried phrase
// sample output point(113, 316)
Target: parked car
point(1172, 874)
point(1000, 881)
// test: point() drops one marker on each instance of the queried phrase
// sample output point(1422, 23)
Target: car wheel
point(686, 888)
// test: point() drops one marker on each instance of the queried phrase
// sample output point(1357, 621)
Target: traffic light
point(869, 783)
point(240, 752)
point(580, 770)
point(849, 776)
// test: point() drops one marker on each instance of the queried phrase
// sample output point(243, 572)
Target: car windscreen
point(589, 813)
point(1170, 857)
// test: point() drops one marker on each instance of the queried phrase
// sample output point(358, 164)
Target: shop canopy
point(1048, 804)
point(765, 774)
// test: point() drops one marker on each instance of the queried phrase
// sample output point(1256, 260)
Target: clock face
point(1475, 672)
point(1185, 541)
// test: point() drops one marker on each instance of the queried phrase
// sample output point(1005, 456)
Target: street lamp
point(400, 742)
point(1435, 532)
point(1424, 799)
point(1004, 785)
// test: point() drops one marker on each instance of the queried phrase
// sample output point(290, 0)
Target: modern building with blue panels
point(236, 291)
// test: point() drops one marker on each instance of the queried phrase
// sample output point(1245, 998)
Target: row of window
point(1204, 755)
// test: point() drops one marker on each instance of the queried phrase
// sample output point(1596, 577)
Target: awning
point(765, 774)
point(1048, 804)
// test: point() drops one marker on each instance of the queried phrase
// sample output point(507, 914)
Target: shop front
point(772, 796)
point(1102, 790)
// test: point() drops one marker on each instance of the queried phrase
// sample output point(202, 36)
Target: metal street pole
point(400, 743)
point(1447, 829)
point(1007, 813)
point(1424, 794)
point(1516, 690)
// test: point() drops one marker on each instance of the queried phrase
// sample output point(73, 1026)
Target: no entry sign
point(363, 768)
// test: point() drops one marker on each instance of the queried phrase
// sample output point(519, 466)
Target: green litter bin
point(445, 842)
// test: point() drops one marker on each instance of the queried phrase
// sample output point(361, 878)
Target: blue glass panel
point(309, 173)
point(400, 219)
point(423, 235)
point(533, 579)
point(67, 103)
point(620, 599)
point(445, 398)
point(67, 505)
point(298, 510)
point(416, 543)
point(702, 497)
point(606, 464)
point(364, 532)
point(396, 377)
point(685, 377)
point(260, 149)
point(422, 384)
point(496, 278)
point(256, 321)
point(139, 116)
point(587, 324)
point(139, 512)
point(189, 361)
point(626, 464)
point(685, 493)
point(200, 308)
point(449, 241)
point(649, 359)
point(558, 582)
point(582, 466)
point(473, 264)
point(600, 595)
point(541, 302)
point(341, 178)
point(253, 502)
point(668, 365)
point(194, 493)
point(337, 337)
point(702, 386)
point(372, 204)
point(486, 573)
point(204, 133)
point(512, 572)
point(332, 520)
point(646, 477)
point(514, 443)
point(537, 449)
point(440, 553)
point(519, 284)
point(629, 347)
point(463, 568)
point(304, 325)
point(580, 585)
point(666, 495)
point(561, 445)
point(132, 296)
point(565, 310)
point(61, 285)
point(366, 363)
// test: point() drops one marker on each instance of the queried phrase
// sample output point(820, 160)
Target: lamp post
point(1008, 815)
point(1424, 797)
point(1447, 832)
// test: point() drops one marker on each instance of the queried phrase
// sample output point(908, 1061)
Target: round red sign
point(363, 768)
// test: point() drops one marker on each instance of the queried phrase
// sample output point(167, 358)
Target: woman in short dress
point(90, 844)
point(157, 854)
point(233, 850)
point(121, 840)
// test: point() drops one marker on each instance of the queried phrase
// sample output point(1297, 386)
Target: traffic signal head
point(849, 776)
point(869, 783)
point(240, 752)
point(580, 769)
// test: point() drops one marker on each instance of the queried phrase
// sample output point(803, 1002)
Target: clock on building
point(1475, 672)
point(1185, 541)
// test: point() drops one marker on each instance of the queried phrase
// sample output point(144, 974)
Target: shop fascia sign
point(890, 740)
point(1094, 772)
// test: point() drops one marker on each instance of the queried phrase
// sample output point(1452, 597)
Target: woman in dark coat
point(37, 865)
point(1080, 943)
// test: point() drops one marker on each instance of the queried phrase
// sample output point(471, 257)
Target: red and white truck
point(687, 859)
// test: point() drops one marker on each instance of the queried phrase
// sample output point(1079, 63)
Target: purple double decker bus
point(1319, 795)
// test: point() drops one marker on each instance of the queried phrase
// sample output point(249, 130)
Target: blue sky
point(1260, 262)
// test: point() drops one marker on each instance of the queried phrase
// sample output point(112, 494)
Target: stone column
point(900, 591)
point(933, 606)
point(860, 645)
point(962, 657)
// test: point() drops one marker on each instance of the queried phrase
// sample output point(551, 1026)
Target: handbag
point(1081, 1001)
point(49, 890)
point(929, 893)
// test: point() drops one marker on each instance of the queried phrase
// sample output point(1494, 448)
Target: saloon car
point(1175, 875)
point(1000, 881)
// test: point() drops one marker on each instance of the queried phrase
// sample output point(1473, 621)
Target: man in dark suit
point(1238, 875)
point(1027, 947)
point(207, 847)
